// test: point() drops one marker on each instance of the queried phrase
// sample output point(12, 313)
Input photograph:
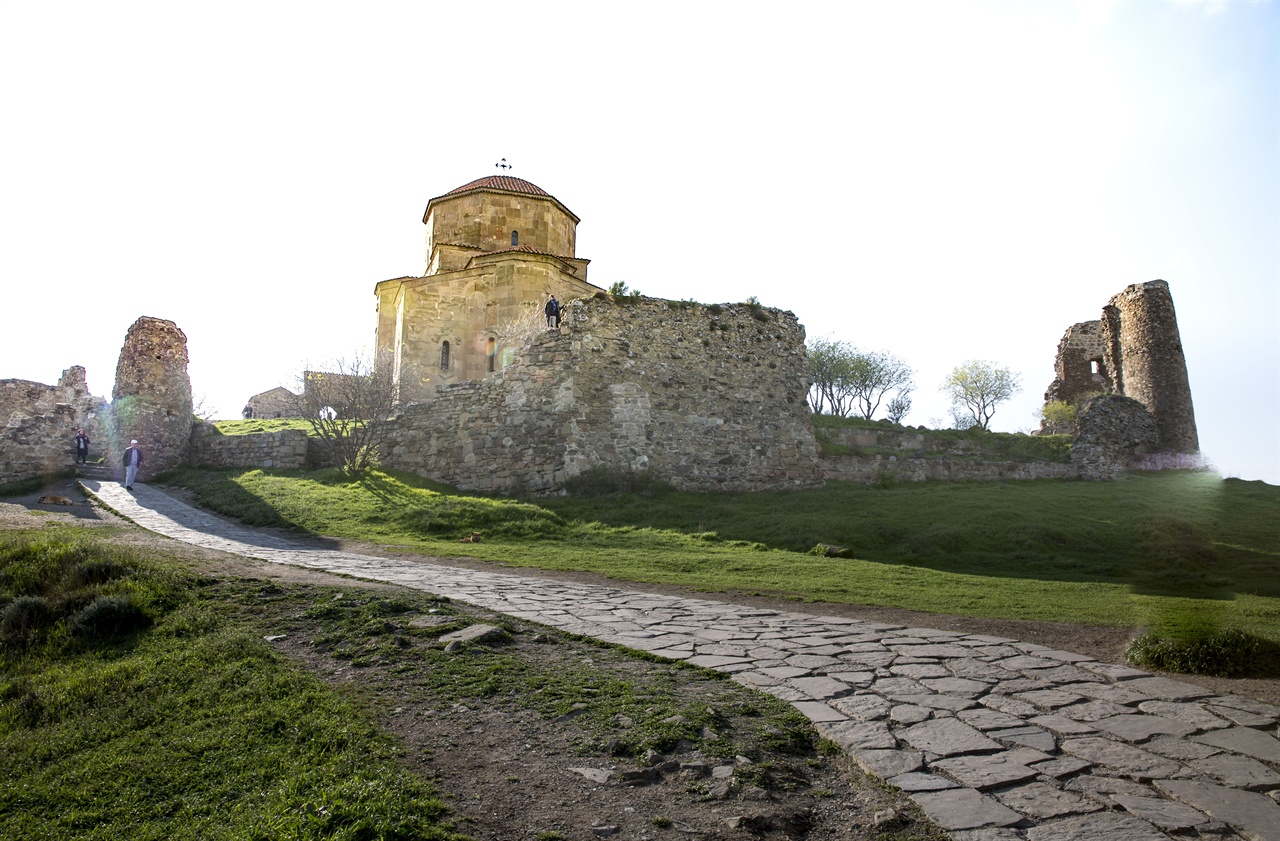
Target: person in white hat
point(132, 461)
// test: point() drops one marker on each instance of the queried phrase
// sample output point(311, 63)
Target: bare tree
point(521, 329)
point(976, 388)
point(345, 407)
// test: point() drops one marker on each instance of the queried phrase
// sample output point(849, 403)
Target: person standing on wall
point(552, 310)
point(132, 461)
point(82, 447)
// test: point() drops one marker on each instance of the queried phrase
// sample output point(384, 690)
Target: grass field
point(138, 700)
point(1182, 554)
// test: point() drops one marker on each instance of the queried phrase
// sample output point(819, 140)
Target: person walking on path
point(82, 447)
point(132, 461)
point(552, 310)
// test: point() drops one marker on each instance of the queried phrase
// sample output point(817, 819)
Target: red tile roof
point(502, 184)
point(505, 183)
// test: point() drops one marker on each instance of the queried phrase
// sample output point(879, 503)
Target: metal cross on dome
point(502, 164)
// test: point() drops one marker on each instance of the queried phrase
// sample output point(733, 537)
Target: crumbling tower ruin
point(1143, 354)
point(152, 397)
point(1133, 351)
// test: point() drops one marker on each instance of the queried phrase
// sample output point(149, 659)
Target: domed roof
point(506, 183)
point(500, 184)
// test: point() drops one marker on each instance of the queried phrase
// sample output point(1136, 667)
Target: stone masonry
point(1145, 358)
point(152, 397)
point(1110, 431)
point(40, 421)
point(286, 449)
point(1133, 351)
point(710, 397)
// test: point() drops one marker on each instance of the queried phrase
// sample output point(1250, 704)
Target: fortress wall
point(710, 397)
point(152, 397)
point(876, 468)
point(922, 455)
point(39, 425)
point(285, 449)
point(1081, 346)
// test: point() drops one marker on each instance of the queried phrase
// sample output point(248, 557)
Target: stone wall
point(1079, 366)
point(1111, 432)
point(1144, 353)
point(40, 422)
point(910, 455)
point(285, 449)
point(710, 397)
point(880, 468)
point(152, 397)
point(1135, 351)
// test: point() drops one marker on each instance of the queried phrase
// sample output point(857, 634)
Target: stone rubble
point(993, 738)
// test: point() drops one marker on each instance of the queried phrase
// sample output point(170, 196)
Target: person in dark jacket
point(132, 461)
point(82, 447)
point(552, 309)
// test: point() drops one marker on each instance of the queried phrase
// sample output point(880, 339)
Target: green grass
point(252, 425)
point(1181, 554)
point(183, 726)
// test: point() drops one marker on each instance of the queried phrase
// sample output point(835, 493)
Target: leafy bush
point(24, 618)
point(1229, 653)
point(1059, 417)
point(98, 571)
point(109, 616)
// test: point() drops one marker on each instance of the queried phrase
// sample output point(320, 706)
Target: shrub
point(1229, 653)
point(109, 616)
point(92, 572)
point(1059, 417)
point(24, 618)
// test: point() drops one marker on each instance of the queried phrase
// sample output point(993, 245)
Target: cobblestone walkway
point(994, 738)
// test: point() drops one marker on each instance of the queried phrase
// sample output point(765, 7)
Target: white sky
point(944, 181)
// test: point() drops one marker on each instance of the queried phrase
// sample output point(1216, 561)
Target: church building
point(497, 248)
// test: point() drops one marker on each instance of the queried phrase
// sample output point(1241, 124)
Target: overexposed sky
point(944, 181)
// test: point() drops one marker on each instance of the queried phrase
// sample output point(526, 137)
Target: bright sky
point(944, 181)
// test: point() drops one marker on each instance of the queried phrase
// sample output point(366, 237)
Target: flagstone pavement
point(993, 738)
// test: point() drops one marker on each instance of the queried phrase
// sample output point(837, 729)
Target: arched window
point(491, 353)
point(515, 238)
point(444, 356)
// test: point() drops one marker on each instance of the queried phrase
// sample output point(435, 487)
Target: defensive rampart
point(286, 448)
point(709, 397)
point(895, 454)
point(40, 422)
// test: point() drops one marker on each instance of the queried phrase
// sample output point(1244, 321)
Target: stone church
point(497, 248)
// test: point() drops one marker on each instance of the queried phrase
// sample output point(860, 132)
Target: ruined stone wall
point(1135, 351)
point(710, 397)
point(879, 468)
point(1112, 432)
point(1144, 355)
point(1080, 366)
point(286, 448)
point(152, 397)
point(40, 422)
point(910, 455)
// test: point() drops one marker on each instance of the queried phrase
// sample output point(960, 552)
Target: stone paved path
point(994, 738)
